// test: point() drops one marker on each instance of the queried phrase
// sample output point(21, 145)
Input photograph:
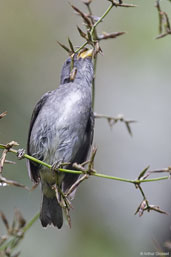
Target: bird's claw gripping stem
point(20, 153)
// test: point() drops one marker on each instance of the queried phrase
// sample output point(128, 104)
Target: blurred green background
point(133, 78)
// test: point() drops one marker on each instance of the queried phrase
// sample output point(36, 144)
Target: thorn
point(105, 35)
point(82, 34)
point(64, 47)
point(71, 45)
point(83, 15)
point(143, 172)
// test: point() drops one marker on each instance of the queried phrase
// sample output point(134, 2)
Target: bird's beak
point(86, 53)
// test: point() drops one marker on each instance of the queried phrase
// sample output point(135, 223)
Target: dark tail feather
point(51, 212)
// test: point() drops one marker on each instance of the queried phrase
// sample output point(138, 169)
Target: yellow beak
point(86, 53)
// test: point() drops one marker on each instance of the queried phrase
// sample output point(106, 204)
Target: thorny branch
point(3, 180)
point(113, 120)
point(91, 36)
point(86, 172)
point(144, 205)
point(164, 23)
point(142, 178)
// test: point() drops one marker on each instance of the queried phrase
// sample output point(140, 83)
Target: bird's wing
point(82, 152)
point(32, 166)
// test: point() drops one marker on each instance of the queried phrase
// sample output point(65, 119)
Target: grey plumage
point(61, 129)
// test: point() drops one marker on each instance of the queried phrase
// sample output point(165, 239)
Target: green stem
point(101, 18)
point(81, 47)
point(27, 156)
point(93, 35)
point(94, 27)
point(31, 222)
point(151, 180)
point(80, 172)
point(113, 178)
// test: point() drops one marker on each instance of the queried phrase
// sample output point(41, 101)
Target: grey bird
point(61, 131)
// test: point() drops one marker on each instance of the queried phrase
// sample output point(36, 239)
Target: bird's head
point(82, 67)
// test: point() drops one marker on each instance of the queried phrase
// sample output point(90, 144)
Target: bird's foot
point(56, 165)
point(20, 153)
point(59, 165)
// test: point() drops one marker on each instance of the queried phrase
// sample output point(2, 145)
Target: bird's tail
point(51, 212)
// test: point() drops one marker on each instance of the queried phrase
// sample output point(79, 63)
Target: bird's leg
point(60, 196)
point(55, 171)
